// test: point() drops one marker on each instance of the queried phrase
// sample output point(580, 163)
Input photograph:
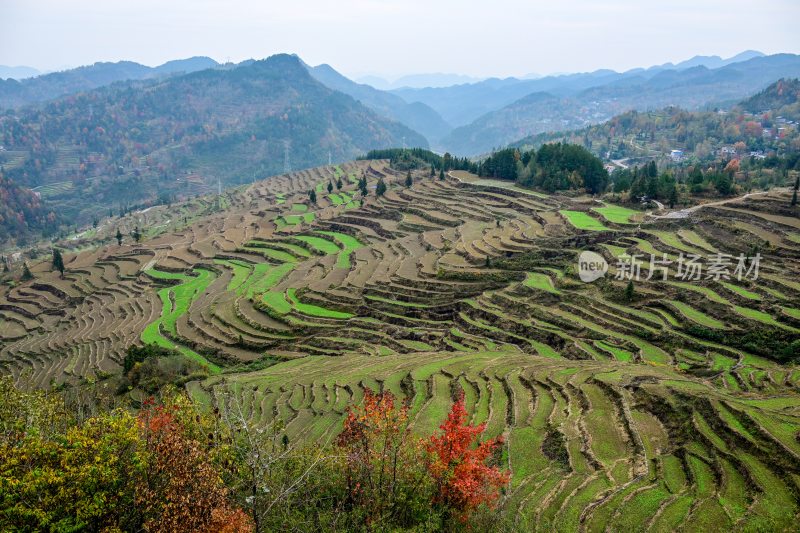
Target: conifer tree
point(58, 261)
point(409, 179)
point(26, 272)
point(381, 188)
point(330, 187)
point(119, 237)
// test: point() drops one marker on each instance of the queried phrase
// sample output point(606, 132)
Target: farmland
point(672, 407)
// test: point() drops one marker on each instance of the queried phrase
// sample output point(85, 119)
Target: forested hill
point(782, 97)
point(415, 115)
point(134, 141)
point(582, 100)
point(23, 214)
point(765, 123)
point(15, 93)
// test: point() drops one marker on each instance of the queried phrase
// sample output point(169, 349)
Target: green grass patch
point(314, 310)
point(540, 281)
point(696, 316)
point(583, 220)
point(616, 214)
point(323, 246)
point(741, 291)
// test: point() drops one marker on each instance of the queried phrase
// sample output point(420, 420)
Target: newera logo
point(591, 266)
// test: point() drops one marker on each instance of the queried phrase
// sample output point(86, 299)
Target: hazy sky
point(396, 37)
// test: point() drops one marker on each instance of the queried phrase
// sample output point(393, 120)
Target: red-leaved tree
point(382, 472)
point(463, 478)
point(182, 490)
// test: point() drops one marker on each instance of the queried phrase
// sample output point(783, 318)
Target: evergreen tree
point(796, 186)
point(409, 179)
point(330, 187)
point(339, 183)
point(652, 170)
point(441, 174)
point(794, 197)
point(312, 195)
point(58, 261)
point(433, 171)
point(135, 234)
point(629, 292)
point(673, 196)
point(26, 272)
point(381, 188)
point(119, 237)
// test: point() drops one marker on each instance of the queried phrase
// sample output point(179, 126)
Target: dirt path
point(684, 213)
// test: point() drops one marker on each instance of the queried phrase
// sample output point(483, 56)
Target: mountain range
point(16, 93)
point(131, 142)
point(121, 134)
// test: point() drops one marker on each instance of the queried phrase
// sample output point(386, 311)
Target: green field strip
point(299, 208)
point(348, 243)
point(183, 295)
point(696, 316)
point(617, 353)
point(700, 289)
point(376, 298)
point(314, 310)
point(323, 246)
point(672, 240)
point(537, 280)
point(616, 214)
point(761, 316)
point(583, 220)
point(741, 291)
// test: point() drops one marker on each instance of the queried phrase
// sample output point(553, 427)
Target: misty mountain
point(17, 73)
point(416, 116)
point(131, 142)
point(757, 123)
point(15, 93)
point(418, 81)
point(691, 88)
point(459, 105)
point(715, 61)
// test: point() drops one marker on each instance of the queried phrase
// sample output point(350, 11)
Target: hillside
point(134, 142)
point(46, 87)
point(669, 405)
point(417, 116)
point(580, 100)
point(765, 123)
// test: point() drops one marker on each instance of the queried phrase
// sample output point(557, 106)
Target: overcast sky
point(396, 37)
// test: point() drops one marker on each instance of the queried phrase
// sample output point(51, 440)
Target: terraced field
point(663, 411)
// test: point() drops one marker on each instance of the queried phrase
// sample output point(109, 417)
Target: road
point(684, 213)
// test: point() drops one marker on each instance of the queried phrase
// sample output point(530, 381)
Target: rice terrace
point(662, 407)
point(386, 266)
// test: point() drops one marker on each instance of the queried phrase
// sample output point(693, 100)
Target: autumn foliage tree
point(383, 481)
point(463, 477)
point(393, 478)
point(181, 489)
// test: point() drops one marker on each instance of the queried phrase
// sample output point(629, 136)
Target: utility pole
point(286, 166)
